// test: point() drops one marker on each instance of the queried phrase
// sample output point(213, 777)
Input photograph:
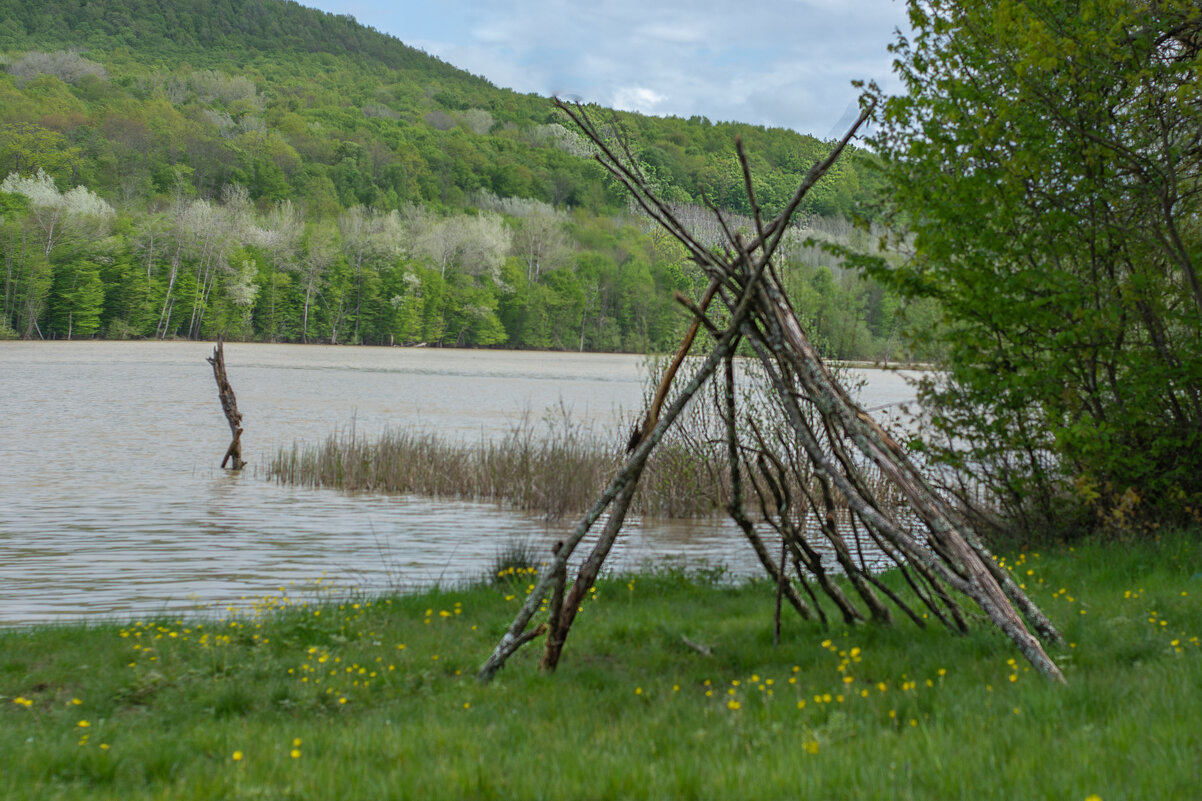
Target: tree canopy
point(1046, 163)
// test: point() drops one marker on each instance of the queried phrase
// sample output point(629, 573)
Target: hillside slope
point(282, 173)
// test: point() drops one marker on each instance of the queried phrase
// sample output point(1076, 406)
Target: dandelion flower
point(237, 757)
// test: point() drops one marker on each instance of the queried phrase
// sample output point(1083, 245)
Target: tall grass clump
point(515, 560)
point(553, 472)
point(553, 469)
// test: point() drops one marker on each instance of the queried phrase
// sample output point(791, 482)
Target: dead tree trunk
point(229, 405)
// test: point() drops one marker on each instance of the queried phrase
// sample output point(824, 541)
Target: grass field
point(327, 695)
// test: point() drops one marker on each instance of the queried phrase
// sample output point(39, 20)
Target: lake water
point(113, 504)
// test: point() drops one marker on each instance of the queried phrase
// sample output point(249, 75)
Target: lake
point(113, 504)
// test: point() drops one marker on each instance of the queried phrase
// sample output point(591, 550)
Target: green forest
point(262, 171)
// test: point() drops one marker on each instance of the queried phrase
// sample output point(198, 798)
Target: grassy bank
point(373, 698)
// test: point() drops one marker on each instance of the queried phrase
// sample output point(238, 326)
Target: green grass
point(633, 712)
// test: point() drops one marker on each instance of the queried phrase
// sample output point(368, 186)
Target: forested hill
point(365, 87)
point(263, 170)
point(212, 32)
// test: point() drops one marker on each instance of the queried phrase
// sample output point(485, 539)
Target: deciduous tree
point(1047, 159)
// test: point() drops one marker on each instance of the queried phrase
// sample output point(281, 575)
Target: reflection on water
point(112, 502)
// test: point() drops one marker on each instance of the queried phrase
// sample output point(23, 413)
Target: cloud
point(636, 98)
point(676, 33)
point(786, 63)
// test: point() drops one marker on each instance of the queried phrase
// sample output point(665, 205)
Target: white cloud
point(636, 98)
point(785, 63)
point(677, 32)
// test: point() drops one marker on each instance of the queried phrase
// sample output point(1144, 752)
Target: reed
point(552, 471)
point(556, 467)
point(555, 472)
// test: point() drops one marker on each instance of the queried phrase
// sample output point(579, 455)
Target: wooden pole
point(229, 405)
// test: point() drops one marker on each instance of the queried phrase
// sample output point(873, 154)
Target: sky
point(781, 63)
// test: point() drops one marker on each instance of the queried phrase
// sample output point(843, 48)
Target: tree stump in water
point(229, 404)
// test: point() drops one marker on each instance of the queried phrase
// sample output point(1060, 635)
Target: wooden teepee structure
point(824, 456)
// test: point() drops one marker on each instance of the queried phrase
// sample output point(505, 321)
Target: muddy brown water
point(112, 503)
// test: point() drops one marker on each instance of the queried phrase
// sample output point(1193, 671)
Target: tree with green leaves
point(78, 298)
point(26, 148)
point(1046, 159)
